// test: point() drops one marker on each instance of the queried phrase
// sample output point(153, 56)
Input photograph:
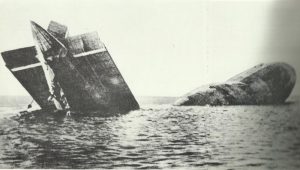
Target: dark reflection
point(156, 137)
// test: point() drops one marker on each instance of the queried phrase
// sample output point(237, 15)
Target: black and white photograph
point(150, 84)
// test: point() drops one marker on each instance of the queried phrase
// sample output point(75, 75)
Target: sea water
point(156, 136)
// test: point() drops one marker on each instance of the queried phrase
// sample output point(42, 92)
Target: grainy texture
point(32, 79)
point(156, 137)
point(57, 30)
point(262, 84)
point(90, 80)
point(20, 57)
point(80, 66)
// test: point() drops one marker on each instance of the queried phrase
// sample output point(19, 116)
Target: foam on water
point(157, 136)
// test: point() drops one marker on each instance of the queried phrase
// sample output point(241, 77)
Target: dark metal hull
point(93, 82)
point(26, 68)
point(86, 73)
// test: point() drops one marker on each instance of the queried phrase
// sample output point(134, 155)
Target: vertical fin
point(51, 49)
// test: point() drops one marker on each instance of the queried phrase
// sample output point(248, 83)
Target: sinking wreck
point(263, 84)
point(75, 73)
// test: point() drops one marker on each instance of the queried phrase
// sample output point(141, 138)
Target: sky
point(162, 48)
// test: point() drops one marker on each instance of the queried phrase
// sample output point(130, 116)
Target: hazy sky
point(163, 48)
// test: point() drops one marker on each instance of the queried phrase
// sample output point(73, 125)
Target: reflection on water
point(262, 137)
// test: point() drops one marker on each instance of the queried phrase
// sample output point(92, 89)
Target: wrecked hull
point(261, 85)
point(83, 69)
point(86, 72)
point(93, 83)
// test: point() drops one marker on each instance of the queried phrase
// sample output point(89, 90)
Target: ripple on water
point(157, 137)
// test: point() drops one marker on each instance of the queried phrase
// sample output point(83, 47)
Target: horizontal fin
point(28, 71)
point(20, 57)
point(90, 53)
point(26, 67)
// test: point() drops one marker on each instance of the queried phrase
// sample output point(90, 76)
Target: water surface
point(156, 136)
